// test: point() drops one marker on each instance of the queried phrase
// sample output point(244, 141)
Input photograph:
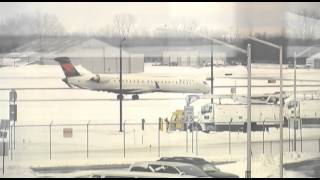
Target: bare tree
point(47, 25)
point(32, 24)
point(124, 24)
point(309, 23)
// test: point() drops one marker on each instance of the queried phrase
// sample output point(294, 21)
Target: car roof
point(146, 174)
point(145, 163)
point(121, 173)
point(193, 160)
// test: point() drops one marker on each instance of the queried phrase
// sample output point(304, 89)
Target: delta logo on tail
point(67, 67)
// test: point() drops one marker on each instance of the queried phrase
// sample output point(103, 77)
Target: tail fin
point(67, 67)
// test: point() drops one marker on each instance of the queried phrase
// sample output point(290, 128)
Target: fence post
point(50, 137)
point(142, 128)
point(88, 139)
point(230, 136)
point(300, 133)
point(9, 134)
point(192, 138)
point(11, 148)
point(186, 137)
point(159, 137)
point(124, 139)
point(263, 137)
point(14, 134)
point(197, 142)
point(289, 138)
point(3, 153)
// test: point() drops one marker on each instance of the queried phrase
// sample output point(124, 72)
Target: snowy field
point(105, 142)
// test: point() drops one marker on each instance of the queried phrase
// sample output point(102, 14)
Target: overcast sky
point(84, 16)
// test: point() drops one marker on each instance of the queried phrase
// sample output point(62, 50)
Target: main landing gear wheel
point(135, 97)
point(119, 97)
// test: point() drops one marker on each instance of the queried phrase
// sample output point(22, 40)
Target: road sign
point(4, 146)
point(3, 134)
point(233, 90)
point(67, 132)
point(188, 113)
point(142, 122)
point(13, 95)
point(4, 124)
point(13, 112)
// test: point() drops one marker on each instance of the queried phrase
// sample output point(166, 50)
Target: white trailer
point(221, 117)
point(307, 110)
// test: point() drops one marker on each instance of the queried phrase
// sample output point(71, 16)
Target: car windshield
point(192, 170)
point(209, 167)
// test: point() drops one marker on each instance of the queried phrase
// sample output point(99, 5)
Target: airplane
point(131, 83)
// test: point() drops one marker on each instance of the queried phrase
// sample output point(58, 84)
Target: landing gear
point(135, 97)
point(119, 97)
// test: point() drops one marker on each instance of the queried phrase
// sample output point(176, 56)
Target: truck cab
point(205, 120)
point(289, 108)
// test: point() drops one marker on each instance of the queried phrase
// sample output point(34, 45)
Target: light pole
point(121, 96)
point(281, 99)
point(295, 103)
point(248, 171)
point(211, 65)
point(295, 96)
point(248, 53)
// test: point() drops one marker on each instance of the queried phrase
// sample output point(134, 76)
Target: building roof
point(203, 50)
point(70, 46)
point(307, 51)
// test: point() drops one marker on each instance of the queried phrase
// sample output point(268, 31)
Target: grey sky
point(85, 16)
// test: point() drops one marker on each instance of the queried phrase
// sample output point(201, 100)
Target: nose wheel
point(135, 97)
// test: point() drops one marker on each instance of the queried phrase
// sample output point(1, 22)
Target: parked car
point(168, 168)
point(115, 173)
point(133, 174)
point(209, 168)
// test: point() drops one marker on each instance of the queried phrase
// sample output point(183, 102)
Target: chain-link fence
point(93, 140)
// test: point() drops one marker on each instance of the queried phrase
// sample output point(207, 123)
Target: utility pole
point(211, 72)
point(281, 116)
point(281, 100)
point(121, 96)
point(295, 104)
point(248, 171)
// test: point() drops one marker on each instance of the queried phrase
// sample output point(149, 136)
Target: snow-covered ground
point(65, 106)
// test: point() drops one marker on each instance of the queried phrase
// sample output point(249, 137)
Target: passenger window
point(164, 169)
point(140, 169)
point(170, 170)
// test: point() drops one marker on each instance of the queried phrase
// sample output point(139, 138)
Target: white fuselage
point(136, 84)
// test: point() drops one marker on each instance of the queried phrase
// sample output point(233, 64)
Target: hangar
point(93, 54)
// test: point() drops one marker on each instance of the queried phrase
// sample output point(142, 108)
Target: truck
point(307, 110)
point(233, 117)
